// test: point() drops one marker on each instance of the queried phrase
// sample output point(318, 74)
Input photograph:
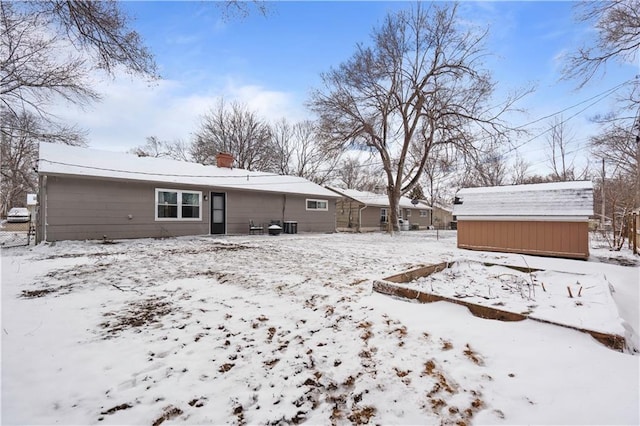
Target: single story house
point(547, 219)
point(91, 194)
point(442, 216)
point(365, 211)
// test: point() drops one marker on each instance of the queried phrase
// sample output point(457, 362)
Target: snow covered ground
point(286, 329)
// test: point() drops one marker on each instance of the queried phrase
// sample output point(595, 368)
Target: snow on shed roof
point(372, 199)
point(544, 199)
point(57, 159)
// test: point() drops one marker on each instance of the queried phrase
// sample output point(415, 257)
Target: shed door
point(218, 212)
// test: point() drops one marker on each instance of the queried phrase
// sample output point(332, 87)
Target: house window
point(317, 204)
point(172, 204)
point(423, 213)
point(384, 216)
point(407, 213)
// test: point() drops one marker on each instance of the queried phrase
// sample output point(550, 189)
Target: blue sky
point(272, 62)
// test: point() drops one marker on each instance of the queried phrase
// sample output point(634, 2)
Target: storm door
point(218, 212)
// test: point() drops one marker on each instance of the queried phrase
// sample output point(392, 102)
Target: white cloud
point(132, 110)
point(270, 104)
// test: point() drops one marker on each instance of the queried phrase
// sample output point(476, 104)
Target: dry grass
point(169, 413)
point(472, 355)
point(361, 416)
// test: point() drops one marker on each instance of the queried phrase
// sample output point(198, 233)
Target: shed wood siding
point(79, 209)
point(560, 239)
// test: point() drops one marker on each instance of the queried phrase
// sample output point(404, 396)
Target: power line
point(599, 97)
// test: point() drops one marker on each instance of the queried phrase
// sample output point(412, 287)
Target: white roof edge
point(547, 186)
point(376, 200)
point(540, 218)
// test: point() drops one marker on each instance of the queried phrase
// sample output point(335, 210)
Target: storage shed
point(547, 219)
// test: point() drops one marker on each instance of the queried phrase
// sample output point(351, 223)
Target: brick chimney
point(224, 159)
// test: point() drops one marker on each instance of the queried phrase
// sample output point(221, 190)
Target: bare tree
point(618, 203)
point(618, 146)
point(559, 155)
point(243, 8)
point(282, 133)
point(237, 130)
point(300, 151)
point(48, 49)
point(154, 147)
point(354, 174)
point(437, 171)
point(617, 25)
point(19, 138)
point(487, 165)
point(419, 85)
point(520, 170)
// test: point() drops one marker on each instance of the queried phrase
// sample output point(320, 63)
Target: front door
point(218, 212)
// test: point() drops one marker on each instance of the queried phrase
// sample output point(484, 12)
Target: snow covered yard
point(286, 329)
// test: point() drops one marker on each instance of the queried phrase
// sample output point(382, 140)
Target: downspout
point(360, 218)
point(42, 200)
point(284, 208)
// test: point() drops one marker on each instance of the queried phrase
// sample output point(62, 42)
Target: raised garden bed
point(508, 293)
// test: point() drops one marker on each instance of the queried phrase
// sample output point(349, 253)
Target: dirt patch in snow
point(136, 314)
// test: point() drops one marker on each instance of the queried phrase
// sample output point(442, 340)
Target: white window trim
point(386, 214)
point(423, 213)
point(408, 212)
point(326, 203)
point(179, 218)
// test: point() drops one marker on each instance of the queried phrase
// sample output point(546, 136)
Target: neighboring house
point(365, 211)
point(90, 194)
point(548, 219)
point(442, 216)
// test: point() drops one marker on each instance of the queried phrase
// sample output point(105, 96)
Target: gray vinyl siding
point(416, 219)
point(262, 208)
point(442, 218)
point(83, 208)
point(348, 214)
point(79, 209)
point(371, 217)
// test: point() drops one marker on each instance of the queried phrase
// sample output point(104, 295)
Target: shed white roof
point(555, 199)
point(56, 159)
point(372, 199)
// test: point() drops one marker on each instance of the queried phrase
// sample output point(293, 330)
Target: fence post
point(634, 217)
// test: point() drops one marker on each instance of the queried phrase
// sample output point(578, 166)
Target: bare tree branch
point(418, 86)
point(617, 24)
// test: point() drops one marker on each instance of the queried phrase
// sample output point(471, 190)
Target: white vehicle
point(18, 214)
